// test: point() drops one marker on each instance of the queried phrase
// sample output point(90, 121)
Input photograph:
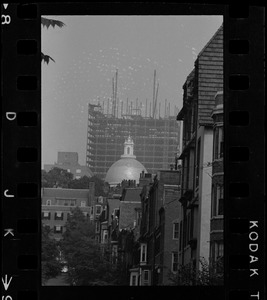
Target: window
point(78, 171)
point(116, 212)
point(188, 227)
point(175, 235)
point(221, 141)
point(146, 277)
point(58, 229)
point(137, 216)
point(134, 280)
point(46, 215)
point(66, 202)
point(128, 150)
point(219, 200)
point(198, 162)
point(83, 203)
point(58, 215)
point(92, 210)
point(98, 209)
point(181, 234)
point(48, 202)
point(100, 199)
point(174, 262)
point(218, 143)
point(143, 253)
point(219, 249)
point(105, 236)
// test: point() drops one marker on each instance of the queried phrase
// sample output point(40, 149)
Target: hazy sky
point(87, 52)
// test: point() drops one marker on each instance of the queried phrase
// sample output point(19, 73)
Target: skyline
point(87, 52)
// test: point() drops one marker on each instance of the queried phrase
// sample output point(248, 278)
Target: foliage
point(51, 266)
point(61, 178)
point(46, 58)
point(87, 265)
point(49, 22)
point(83, 183)
point(46, 23)
point(56, 178)
point(209, 274)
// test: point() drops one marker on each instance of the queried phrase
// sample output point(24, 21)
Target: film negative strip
point(244, 219)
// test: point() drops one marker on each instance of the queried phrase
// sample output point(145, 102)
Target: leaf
point(46, 58)
point(49, 22)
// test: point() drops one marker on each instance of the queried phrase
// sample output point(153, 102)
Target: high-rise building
point(155, 139)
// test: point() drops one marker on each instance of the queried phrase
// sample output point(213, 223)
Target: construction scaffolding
point(156, 139)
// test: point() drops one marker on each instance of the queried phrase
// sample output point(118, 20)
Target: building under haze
point(155, 139)
point(69, 161)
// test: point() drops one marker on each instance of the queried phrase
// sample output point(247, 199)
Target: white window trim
point(58, 228)
point(134, 275)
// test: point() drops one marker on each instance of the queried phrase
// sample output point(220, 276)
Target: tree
point(47, 23)
point(87, 266)
point(61, 178)
point(209, 274)
point(56, 178)
point(51, 266)
point(83, 183)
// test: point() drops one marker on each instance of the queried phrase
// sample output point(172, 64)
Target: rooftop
point(65, 193)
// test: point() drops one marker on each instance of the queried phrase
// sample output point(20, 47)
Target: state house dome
point(125, 168)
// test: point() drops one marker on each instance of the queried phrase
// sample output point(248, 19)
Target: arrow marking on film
point(5, 5)
point(9, 230)
point(5, 283)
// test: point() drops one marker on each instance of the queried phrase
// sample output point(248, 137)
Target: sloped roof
point(132, 194)
point(210, 76)
point(211, 40)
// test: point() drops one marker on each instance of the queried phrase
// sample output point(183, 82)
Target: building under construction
point(156, 138)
